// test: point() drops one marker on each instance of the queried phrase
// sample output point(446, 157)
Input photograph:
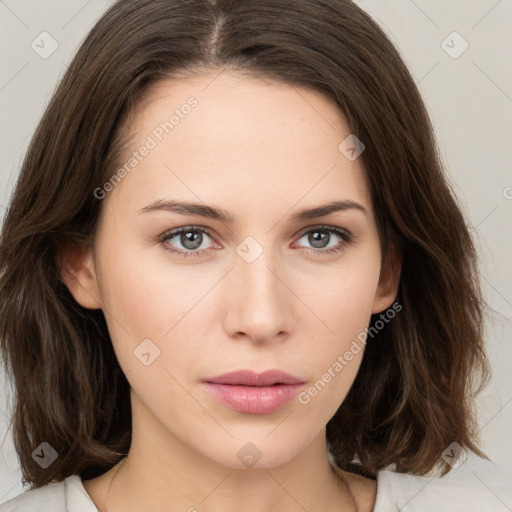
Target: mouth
point(252, 393)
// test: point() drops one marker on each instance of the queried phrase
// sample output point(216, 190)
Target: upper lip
point(250, 378)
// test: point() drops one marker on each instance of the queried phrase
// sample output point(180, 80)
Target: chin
point(260, 453)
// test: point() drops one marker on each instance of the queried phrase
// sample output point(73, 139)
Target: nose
point(259, 305)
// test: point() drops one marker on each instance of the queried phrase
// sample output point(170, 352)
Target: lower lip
point(253, 399)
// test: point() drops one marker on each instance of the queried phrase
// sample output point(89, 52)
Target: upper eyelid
point(176, 231)
point(325, 227)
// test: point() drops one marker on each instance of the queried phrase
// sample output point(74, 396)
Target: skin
point(262, 151)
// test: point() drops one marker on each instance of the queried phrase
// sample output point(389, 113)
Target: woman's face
point(263, 288)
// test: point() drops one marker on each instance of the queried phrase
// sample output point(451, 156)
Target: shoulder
point(410, 493)
point(66, 496)
point(51, 496)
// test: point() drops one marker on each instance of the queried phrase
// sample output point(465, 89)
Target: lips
point(252, 393)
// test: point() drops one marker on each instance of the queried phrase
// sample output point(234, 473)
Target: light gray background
point(470, 102)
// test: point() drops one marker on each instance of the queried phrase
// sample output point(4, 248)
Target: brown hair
point(413, 395)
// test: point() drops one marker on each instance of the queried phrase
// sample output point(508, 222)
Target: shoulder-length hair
point(414, 393)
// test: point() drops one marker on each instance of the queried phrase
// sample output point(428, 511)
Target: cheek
point(344, 304)
point(351, 307)
point(141, 300)
point(342, 295)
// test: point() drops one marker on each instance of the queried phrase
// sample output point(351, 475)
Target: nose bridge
point(259, 306)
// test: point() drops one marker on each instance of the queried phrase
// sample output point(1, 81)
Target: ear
point(78, 272)
point(387, 288)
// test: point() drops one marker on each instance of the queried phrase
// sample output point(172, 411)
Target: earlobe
point(387, 288)
point(78, 273)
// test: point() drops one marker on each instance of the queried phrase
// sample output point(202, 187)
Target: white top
point(396, 492)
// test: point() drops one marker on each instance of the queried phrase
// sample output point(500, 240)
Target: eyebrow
point(211, 212)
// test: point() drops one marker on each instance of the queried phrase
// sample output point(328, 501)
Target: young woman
point(233, 275)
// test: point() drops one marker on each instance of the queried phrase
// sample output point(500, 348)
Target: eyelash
point(345, 236)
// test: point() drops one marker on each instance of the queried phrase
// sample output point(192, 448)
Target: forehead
point(215, 134)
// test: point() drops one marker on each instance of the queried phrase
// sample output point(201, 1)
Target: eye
point(190, 238)
point(320, 238)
